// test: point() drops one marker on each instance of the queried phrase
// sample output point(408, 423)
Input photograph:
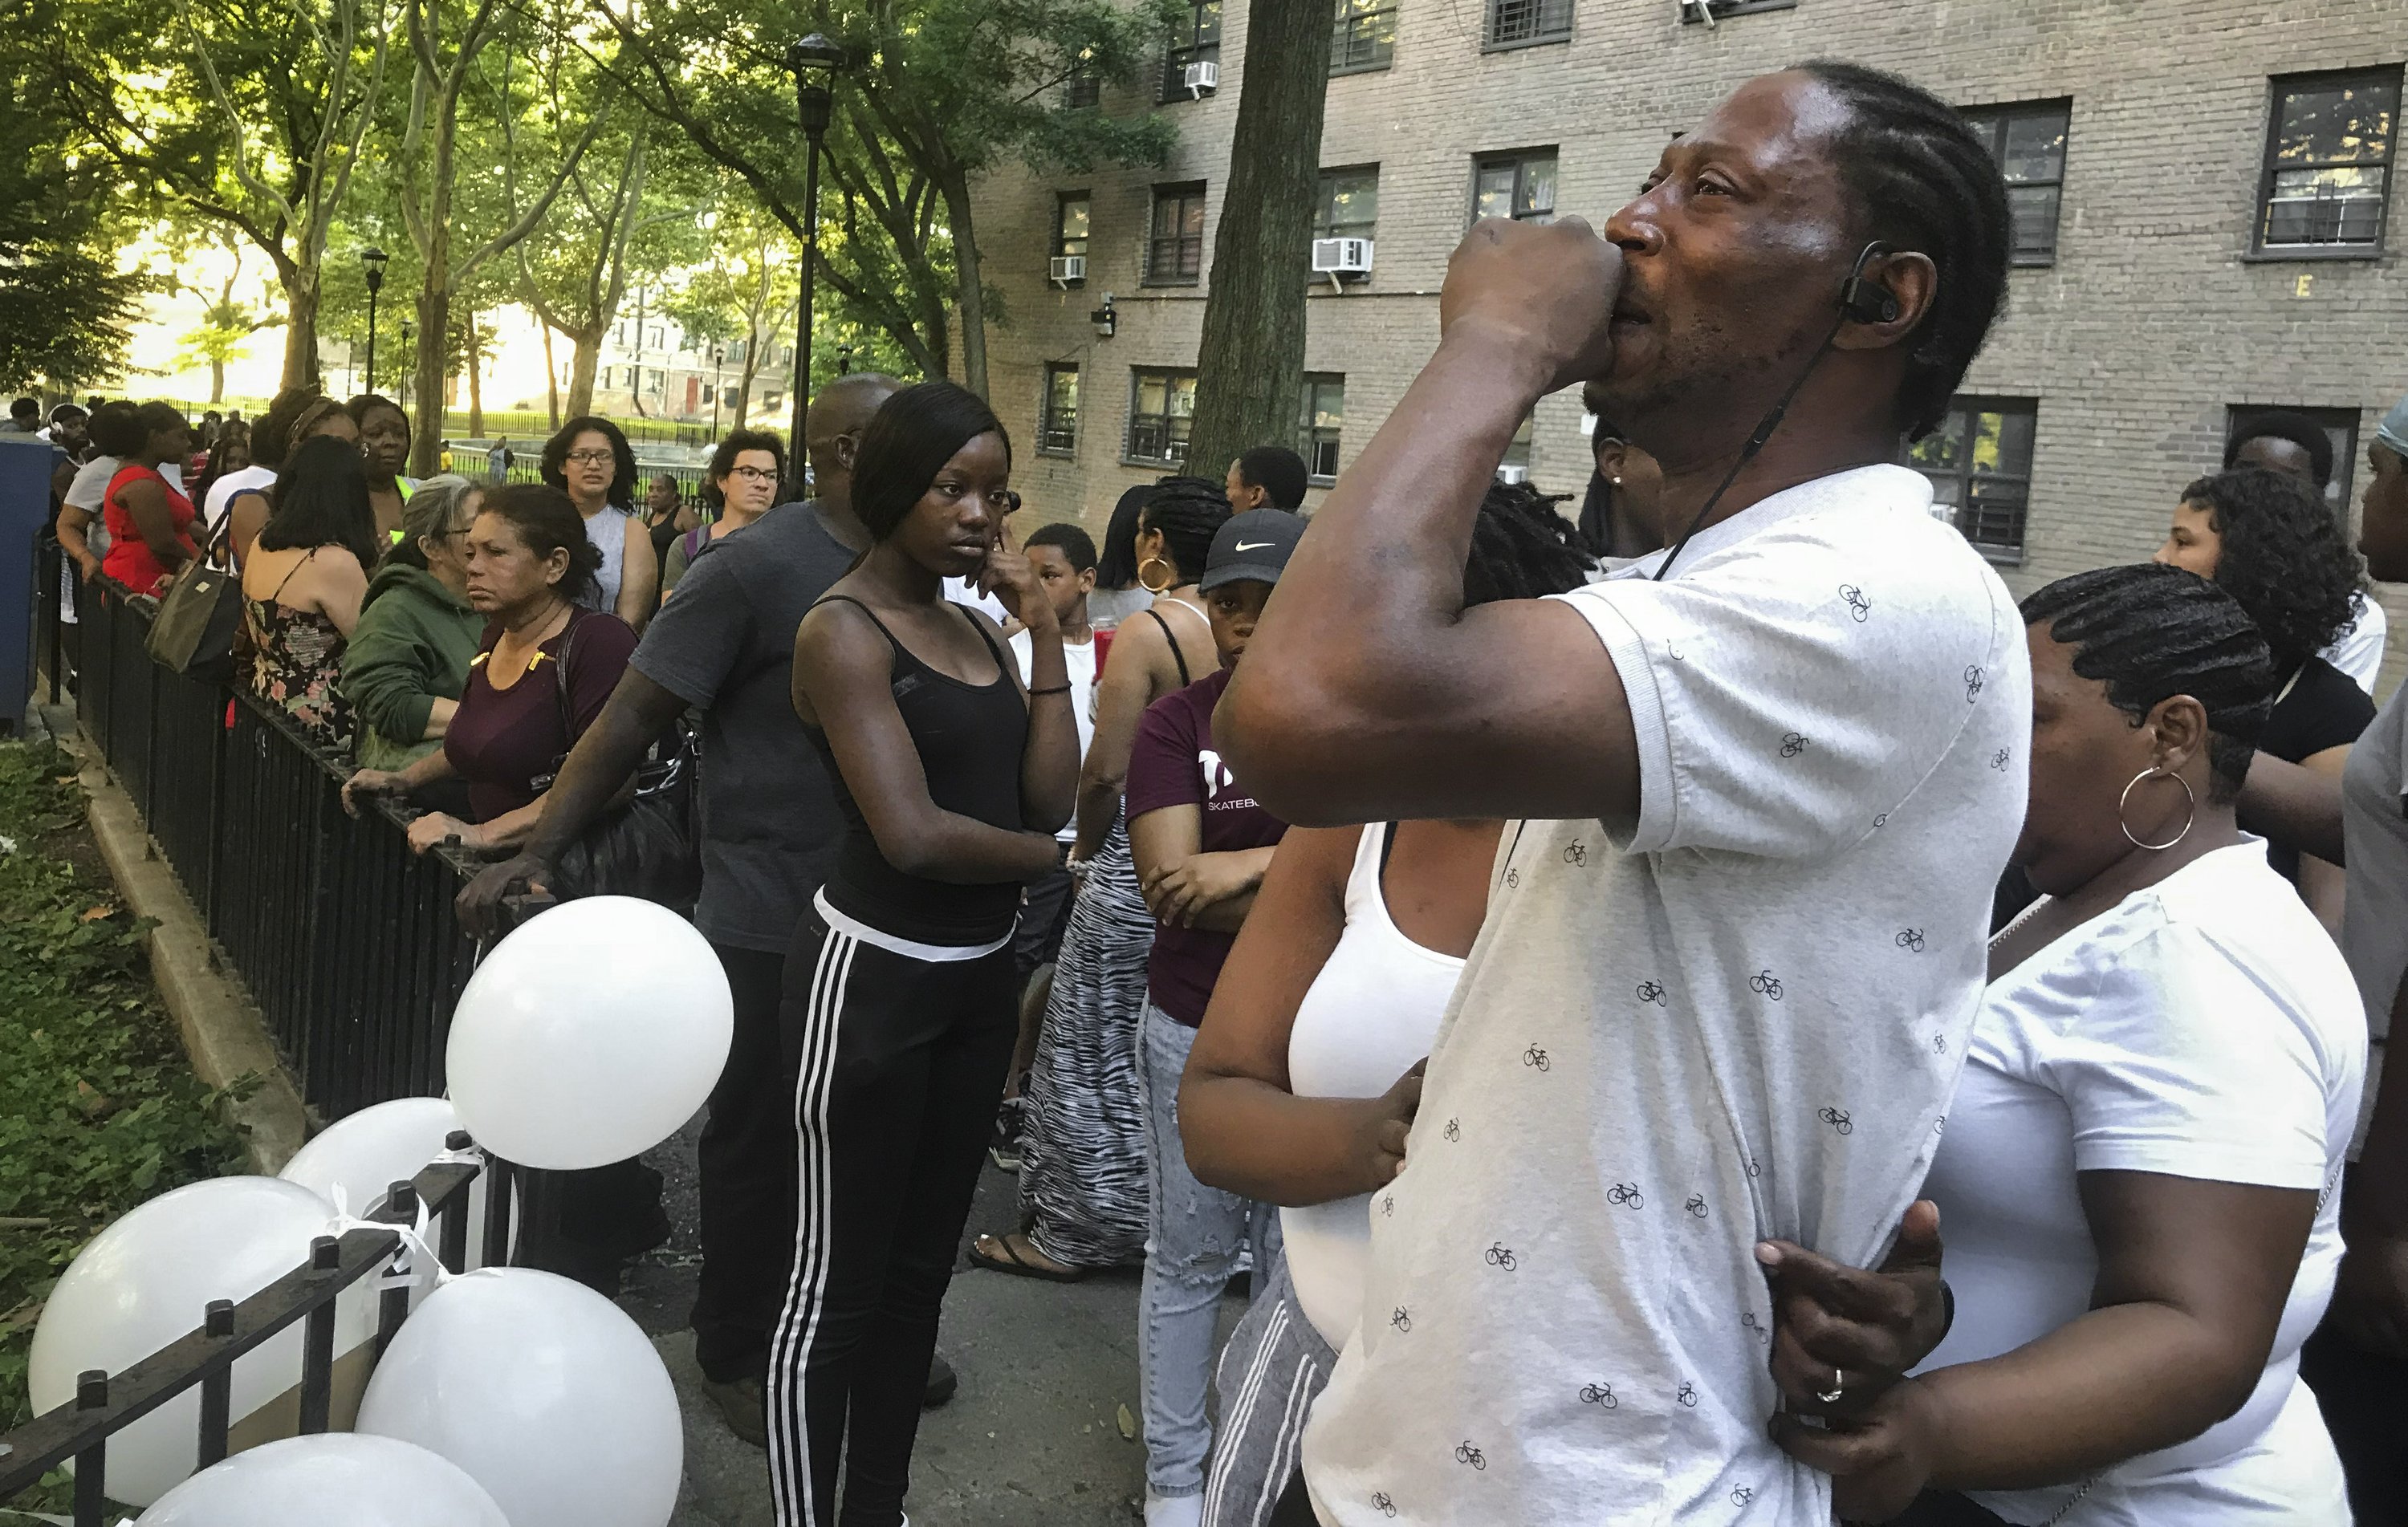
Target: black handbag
point(647, 846)
point(192, 633)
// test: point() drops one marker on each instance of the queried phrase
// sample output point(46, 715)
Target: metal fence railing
point(345, 937)
point(204, 1357)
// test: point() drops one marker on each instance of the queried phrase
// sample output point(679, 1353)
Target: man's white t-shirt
point(1739, 1018)
point(2357, 651)
point(249, 479)
point(1080, 659)
point(2199, 1029)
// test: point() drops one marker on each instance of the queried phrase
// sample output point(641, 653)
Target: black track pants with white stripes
point(902, 1065)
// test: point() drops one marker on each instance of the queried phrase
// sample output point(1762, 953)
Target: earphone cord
point(1754, 442)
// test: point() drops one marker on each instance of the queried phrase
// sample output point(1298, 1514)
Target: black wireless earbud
point(1866, 301)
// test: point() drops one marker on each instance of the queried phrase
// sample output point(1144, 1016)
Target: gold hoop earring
point(1170, 579)
point(2190, 817)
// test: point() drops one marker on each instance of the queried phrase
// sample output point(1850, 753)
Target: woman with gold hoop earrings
point(1082, 1182)
point(2137, 1180)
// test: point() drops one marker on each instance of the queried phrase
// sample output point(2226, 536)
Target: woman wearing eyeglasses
point(591, 460)
point(740, 486)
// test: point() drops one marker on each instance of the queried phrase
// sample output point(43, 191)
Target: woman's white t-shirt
point(2207, 1027)
point(1368, 1016)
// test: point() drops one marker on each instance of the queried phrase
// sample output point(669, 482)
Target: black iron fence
point(204, 1357)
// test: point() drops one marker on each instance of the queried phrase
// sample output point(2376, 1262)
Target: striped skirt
point(1082, 1194)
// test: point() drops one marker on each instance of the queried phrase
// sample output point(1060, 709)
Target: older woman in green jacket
point(409, 656)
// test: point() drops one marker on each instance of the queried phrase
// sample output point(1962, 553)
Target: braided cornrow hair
point(2150, 632)
point(1522, 548)
point(1922, 181)
point(1188, 511)
point(2283, 557)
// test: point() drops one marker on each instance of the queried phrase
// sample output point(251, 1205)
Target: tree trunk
point(971, 294)
point(433, 329)
point(476, 385)
point(300, 327)
point(550, 376)
point(1250, 368)
point(583, 362)
point(744, 389)
point(216, 380)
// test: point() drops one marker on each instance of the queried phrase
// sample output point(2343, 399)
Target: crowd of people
point(1696, 1008)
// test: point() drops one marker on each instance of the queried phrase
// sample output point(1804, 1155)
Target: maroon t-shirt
point(501, 741)
point(1174, 762)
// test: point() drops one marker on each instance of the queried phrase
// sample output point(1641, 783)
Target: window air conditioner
point(1509, 473)
point(1068, 268)
point(1201, 77)
point(1336, 257)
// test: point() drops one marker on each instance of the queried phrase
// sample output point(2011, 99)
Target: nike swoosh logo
point(1254, 546)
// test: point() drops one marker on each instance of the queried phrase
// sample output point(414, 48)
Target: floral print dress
point(296, 659)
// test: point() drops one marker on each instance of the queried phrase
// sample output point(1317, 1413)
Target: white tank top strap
point(1364, 901)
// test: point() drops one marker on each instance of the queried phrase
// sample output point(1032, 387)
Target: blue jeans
point(1195, 1237)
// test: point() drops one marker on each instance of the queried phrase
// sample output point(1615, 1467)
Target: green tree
point(64, 306)
point(224, 334)
point(1250, 366)
point(743, 300)
point(934, 92)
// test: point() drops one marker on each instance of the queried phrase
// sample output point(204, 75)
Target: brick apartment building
point(2201, 192)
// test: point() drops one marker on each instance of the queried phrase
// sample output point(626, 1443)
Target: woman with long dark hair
point(303, 582)
point(298, 416)
point(951, 779)
point(589, 459)
point(229, 453)
point(1083, 1177)
point(1117, 596)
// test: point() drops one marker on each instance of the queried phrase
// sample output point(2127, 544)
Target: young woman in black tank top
point(899, 990)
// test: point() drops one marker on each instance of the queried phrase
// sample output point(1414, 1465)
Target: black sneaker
point(941, 1382)
point(1003, 1147)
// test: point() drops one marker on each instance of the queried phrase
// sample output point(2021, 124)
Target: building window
point(1081, 90)
point(1195, 38)
point(1980, 461)
point(1162, 405)
point(1174, 254)
point(1694, 11)
point(1349, 207)
point(2028, 143)
point(1070, 223)
point(1521, 186)
point(2327, 164)
point(1316, 432)
point(1058, 427)
point(1363, 38)
point(2339, 424)
point(1517, 24)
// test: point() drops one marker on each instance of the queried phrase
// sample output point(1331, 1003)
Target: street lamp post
point(812, 61)
point(373, 260)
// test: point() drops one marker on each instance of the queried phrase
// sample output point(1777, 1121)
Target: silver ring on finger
point(1839, 1388)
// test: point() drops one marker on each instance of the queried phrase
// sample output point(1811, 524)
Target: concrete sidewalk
point(1033, 1440)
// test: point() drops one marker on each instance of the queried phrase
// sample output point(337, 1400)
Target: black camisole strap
point(1176, 655)
point(1002, 668)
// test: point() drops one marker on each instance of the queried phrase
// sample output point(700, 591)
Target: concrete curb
point(223, 1031)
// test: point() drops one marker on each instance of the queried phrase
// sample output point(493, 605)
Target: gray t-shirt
point(1738, 1017)
point(2374, 914)
point(725, 644)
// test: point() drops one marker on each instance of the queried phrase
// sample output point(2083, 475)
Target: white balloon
point(334, 1479)
point(147, 1280)
point(589, 1035)
point(544, 1391)
point(366, 1153)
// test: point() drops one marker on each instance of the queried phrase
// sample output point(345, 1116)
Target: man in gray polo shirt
point(724, 646)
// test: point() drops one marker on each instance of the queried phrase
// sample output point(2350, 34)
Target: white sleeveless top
point(1370, 1015)
point(606, 528)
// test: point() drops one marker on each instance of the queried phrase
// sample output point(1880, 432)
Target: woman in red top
point(149, 519)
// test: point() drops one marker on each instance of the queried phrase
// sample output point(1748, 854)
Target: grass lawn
point(98, 1109)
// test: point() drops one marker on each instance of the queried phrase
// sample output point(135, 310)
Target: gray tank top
point(607, 530)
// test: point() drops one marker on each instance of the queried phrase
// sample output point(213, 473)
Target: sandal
point(1014, 1265)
